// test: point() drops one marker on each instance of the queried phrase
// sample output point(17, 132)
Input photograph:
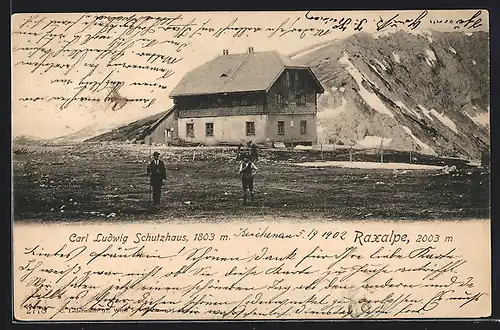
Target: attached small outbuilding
point(160, 128)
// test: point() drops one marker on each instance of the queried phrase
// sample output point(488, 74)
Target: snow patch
point(482, 119)
point(382, 66)
point(301, 147)
point(411, 111)
point(468, 34)
point(451, 49)
point(431, 57)
point(354, 72)
point(425, 147)
point(445, 120)
point(425, 112)
point(371, 165)
point(370, 98)
point(474, 62)
point(397, 58)
point(372, 142)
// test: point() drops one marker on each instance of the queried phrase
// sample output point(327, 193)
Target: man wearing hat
point(157, 173)
point(247, 170)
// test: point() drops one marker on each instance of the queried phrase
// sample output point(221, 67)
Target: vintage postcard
point(251, 165)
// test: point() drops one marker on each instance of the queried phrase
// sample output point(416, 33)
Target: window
point(279, 98)
point(250, 128)
point(190, 130)
point(301, 99)
point(287, 79)
point(209, 129)
point(281, 127)
point(296, 82)
point(303, 127)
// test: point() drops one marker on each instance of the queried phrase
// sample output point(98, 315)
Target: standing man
point(157, 173)
point(248, 170)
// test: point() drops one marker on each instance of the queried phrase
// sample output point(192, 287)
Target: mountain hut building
point(264, 97)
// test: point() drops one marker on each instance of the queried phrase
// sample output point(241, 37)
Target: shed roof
point(254, 71)
point(135, 131)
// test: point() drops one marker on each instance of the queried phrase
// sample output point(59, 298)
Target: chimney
point(250, 49)
point(225, 52)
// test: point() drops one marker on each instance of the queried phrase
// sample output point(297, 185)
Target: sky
point(45, 119)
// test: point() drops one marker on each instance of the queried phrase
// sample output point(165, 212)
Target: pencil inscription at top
point(79, 52)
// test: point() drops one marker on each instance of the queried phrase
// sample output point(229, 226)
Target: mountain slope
point(430, 89)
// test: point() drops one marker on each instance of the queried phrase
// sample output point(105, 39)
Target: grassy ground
point(93, 181)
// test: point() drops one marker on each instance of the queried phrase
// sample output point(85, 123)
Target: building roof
point(254, 71)
point(136, 131)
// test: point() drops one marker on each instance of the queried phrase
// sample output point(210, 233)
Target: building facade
point(259, 96)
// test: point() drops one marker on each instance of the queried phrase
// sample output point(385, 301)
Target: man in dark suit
point(157, 173)
point(247, 170)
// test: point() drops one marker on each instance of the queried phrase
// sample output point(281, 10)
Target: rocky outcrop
point(428, 91)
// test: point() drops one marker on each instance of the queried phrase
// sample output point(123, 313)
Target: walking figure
point(248, 170)
point(157, 173)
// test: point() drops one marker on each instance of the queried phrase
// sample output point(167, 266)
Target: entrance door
point(168, 135)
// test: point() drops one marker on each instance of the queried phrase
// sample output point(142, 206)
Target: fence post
point(321, 151)
point(382, 152)
point(411, 149)
point(350, 154)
